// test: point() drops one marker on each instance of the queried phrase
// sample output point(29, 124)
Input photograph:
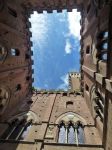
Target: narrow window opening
point(27, 78)
point(72, 133)
point(8, 131)
point(1, 106)
point(80, 132)
point(25, 130)
point(18, 87)
point(62, 133)
point(69, 104)
point(104, 57)
point(87, 88)
point(17, 130)
point(102, 45)
point(15, 52)
point(88, 49)
point(27, 56)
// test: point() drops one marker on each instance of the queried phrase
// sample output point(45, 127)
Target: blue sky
point(56, 48)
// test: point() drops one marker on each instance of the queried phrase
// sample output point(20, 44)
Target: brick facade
point(44, 110)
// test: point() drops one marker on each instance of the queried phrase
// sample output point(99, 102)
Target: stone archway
point(71, 116)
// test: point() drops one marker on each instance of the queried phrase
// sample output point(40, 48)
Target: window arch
point(62, 133)
point(16, 129)
point(19, 126)
point(70, 129)
point(71, 133)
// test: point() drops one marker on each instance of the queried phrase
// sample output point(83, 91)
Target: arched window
point(80, 133)
point(71, 133)
point(19, 126)
point(16, 129)
point(102, 45)
point(62, 133)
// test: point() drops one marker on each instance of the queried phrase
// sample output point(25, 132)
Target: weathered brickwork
point(43, 112)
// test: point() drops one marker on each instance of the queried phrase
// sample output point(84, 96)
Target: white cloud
point(40, 33)
point(39, 28)
point(74, 23)
point(68, 47)
point(64, 85)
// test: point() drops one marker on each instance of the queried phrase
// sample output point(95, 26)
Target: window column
point(76, 136)
point(62, 133)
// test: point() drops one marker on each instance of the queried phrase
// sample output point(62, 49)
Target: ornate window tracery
point(19, 126)
point(71, 133)
point(16, 129)
point(70, 130)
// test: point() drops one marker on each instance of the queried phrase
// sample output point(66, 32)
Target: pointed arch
point(70, 128)
point(19, 126)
